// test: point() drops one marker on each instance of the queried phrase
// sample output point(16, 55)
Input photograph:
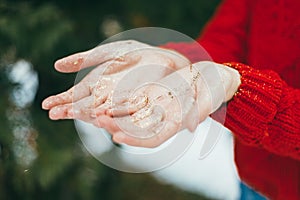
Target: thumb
point(71, 63)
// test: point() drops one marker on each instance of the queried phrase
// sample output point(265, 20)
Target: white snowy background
point(214, 176)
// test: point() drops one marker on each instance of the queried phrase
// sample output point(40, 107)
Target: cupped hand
point(157, 111)
point(113, 61)
point(178, 101)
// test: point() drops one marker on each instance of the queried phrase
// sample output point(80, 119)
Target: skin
point(179, 96)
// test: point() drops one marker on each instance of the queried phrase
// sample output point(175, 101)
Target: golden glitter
point(79, 61)
point(170, 94)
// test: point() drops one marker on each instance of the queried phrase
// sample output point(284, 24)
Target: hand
point(116, 52)
point(180, 100)
point(96, 88)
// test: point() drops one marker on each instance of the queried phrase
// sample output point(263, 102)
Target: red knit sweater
point(265, 114)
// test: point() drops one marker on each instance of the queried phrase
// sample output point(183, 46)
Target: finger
point(73, 94)
point(81, 109)
point(61, 112)
point(142, 113)
point(72, 63)
point(128, 106)
point(204, 107)
point(96, 56)
point(188, 114)
point(150, 121)
point(111, 102)
point(77, 92)
point(192, 118)
point(170, 128)
point(99, 98)
point(107, 123)
point(102, 109)
point(121, 63)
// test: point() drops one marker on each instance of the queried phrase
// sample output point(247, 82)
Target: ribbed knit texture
point(265, 112)
point(264, 115)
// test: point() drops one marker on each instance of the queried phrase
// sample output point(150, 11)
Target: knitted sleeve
point(224, 37)
point(265, 112)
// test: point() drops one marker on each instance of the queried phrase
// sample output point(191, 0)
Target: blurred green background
point(44, 159)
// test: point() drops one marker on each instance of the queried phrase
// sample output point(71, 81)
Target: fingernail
point(44, 105)
point(59, 62)
point(48, 104)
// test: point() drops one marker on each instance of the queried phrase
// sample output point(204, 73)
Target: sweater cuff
point(254, 105)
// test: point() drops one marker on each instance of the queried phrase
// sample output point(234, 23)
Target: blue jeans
point(248, 193)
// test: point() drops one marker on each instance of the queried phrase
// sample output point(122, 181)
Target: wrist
point(232, 78)
point(212, 83)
